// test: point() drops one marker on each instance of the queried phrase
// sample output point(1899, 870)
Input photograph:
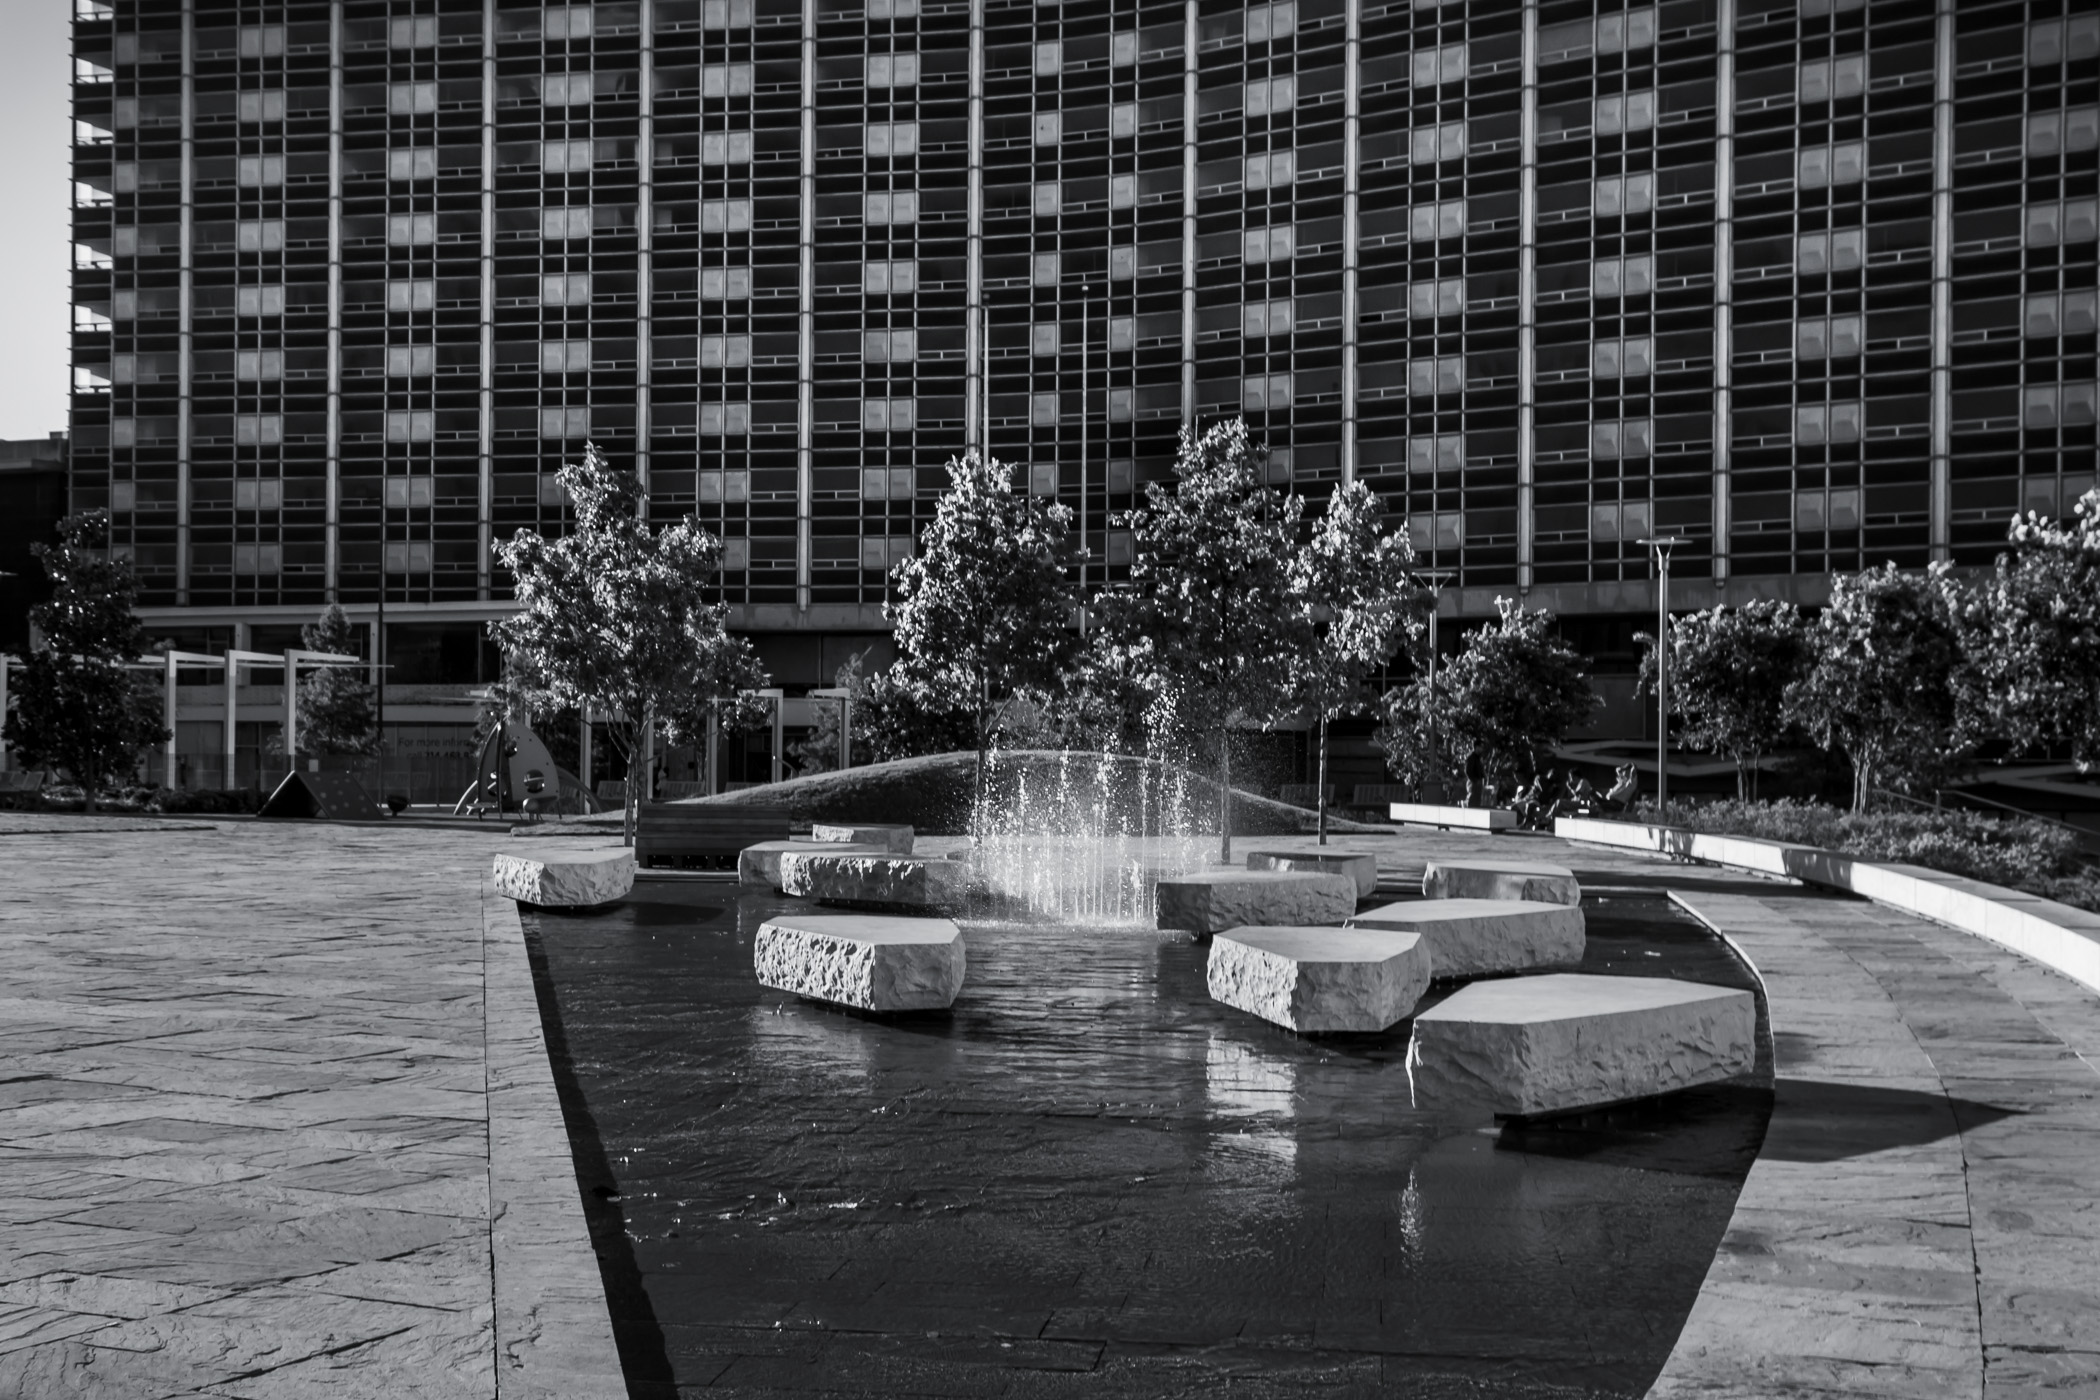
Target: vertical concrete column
point(333, 541)
point(1724, 278)
point(1188, 214)
point(977, 388)
point(483, 529)
point(1942, 505)
point(1527, 297)
point(1352, 112)
point(186, 310)
point(644, 236)
point(806, 346)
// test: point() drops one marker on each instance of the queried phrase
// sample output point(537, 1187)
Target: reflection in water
point(1243, 1084)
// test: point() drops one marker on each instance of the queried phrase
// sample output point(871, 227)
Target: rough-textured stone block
point(1360, 866)
point(1211, 901)
point(877, 962)
point(1534, 881)
point(1320, 979)
point(911, 882)
point(566, 877)
point(1478, 937)
point(894, 837)
point(1567, 1041)
point(759, 865)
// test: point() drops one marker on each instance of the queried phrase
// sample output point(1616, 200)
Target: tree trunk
point(1742, 779)
point(1320, 787)
point(87, 792)
point(1225, 796)
point(984, 744)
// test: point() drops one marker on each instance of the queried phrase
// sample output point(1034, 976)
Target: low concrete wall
point(2054, 935)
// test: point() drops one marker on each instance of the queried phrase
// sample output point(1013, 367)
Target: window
point(262, 41)
point(1122, 333)
point(569, 21)
point(413, 32)
point(259, 301)
point(1442, 298)
point(1122, 264)
point(1278, 20)
point(258, 364)
point(1832, 338)
point(1622, 359)
point(1046, 270)
point(417, 294)
point(1042, 339)
point(728, 420)
point(564, 422)
point(1440, 531)
point(1123, 48)
point(409, 492)
point(412, 99)
point(1438, 143)
point(408, 557)
point(265, 106)
point(1623, 277)
point(891, 484)
point(1276, 243)
point(1049, 59)
point(565, 356)
point(1816, 424)
point(1042, 412)
point(1272, 170)
point(888, 415)
point(560, 225)
point(725, 284)
point(889, 347)
point(2073, 221)
point(2060, 405)
point(258, 558)
point(1431, 375)
point(2056, 41)
point(725, 216)
point(888, 70)
point(1266, 391)
point(884, 139)
point(1266, 318)
point(1625, 195)
point(417, 163)
point(411, 361)
point(1626, 437)
point(884, 552)
point(1048, 199)
point(405, 230)
point(725, 80)
point(2053, 313)
point(1271, 96)
point(1624, 33)
point(566, 289)
point(736, 14)
point(1823, 166)
point(409, 425)
point(1122, 191)
point(1841, 251)
point(1048, 128)
point(253, 494)
point(258, 429)
point(1621, 113)
point(1434, 67)
point(2053, 133)
point(883, 207)
point(725, 351)
point(895, 275)
point(1123, 119)
point(1428, 222)
point(568, 89)
point(258, 171)
point(736, 554)
point(559, 157)
point(1833, 78)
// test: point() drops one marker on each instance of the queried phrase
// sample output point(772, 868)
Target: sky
point(35, 215)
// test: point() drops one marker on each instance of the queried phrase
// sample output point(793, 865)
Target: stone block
point(1533, 881)
point(1488, 819)
point(1566, 1041)
point(877, 962)
point(1320, 979)
point(1211, 901)
point(566, 877)
point(1360, 866)
point(1481, 937)
point(759, 866)
point(894, 837)
point(910, 882)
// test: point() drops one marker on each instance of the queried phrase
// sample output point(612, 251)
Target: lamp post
point(1662, 545)
point(1433, 780)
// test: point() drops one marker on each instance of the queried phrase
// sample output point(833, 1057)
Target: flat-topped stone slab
point(759, 865)
point(1535, 881)
point(1360, 866)
point(1482, 937)
point(1211, 901)
point(894, 837)
point(1568, 1041)
point(566, 877)
point(1320, 979)
point(877, 962)
point(1466, 818)
point(909, 882)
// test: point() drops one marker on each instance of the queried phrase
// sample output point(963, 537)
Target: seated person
point(1582, 795)
point(1624, 789)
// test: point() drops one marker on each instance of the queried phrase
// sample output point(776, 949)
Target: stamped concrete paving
point(250, 1079)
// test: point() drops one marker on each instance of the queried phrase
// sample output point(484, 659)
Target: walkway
point(252, 1075)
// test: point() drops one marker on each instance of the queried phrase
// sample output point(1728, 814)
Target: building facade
point(1810, 283)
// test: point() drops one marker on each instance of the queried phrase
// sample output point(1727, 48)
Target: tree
point(1888, 659)
point(1729, 670)
point(984, 609)
point(336, 711)
point(1509, 696)
point(2032, 634)
point(614, 615)
point(1207, 624)
point(1349, 586)
point(78, 706)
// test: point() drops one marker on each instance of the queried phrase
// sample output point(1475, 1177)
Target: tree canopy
point(337, 714)
point(2033, 630)
point(1729, 671)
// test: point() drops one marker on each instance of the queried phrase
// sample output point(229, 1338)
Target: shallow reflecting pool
point(1090, 1179)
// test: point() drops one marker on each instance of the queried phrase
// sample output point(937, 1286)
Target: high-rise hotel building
point(1809, 282)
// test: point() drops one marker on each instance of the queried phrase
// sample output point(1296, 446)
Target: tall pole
point(1086, 327)
point(1433, 781)
point(1662, 545)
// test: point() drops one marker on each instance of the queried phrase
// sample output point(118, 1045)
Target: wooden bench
point(1376, 796)
point(612, 791)
point(680, 831)
point(670, 790)
point(1305, 794)
point(23, 780)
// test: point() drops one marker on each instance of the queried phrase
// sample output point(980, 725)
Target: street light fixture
point(1433, 774)
point(1662, 545)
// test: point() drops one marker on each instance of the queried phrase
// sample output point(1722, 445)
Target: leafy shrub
point(189, 801)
